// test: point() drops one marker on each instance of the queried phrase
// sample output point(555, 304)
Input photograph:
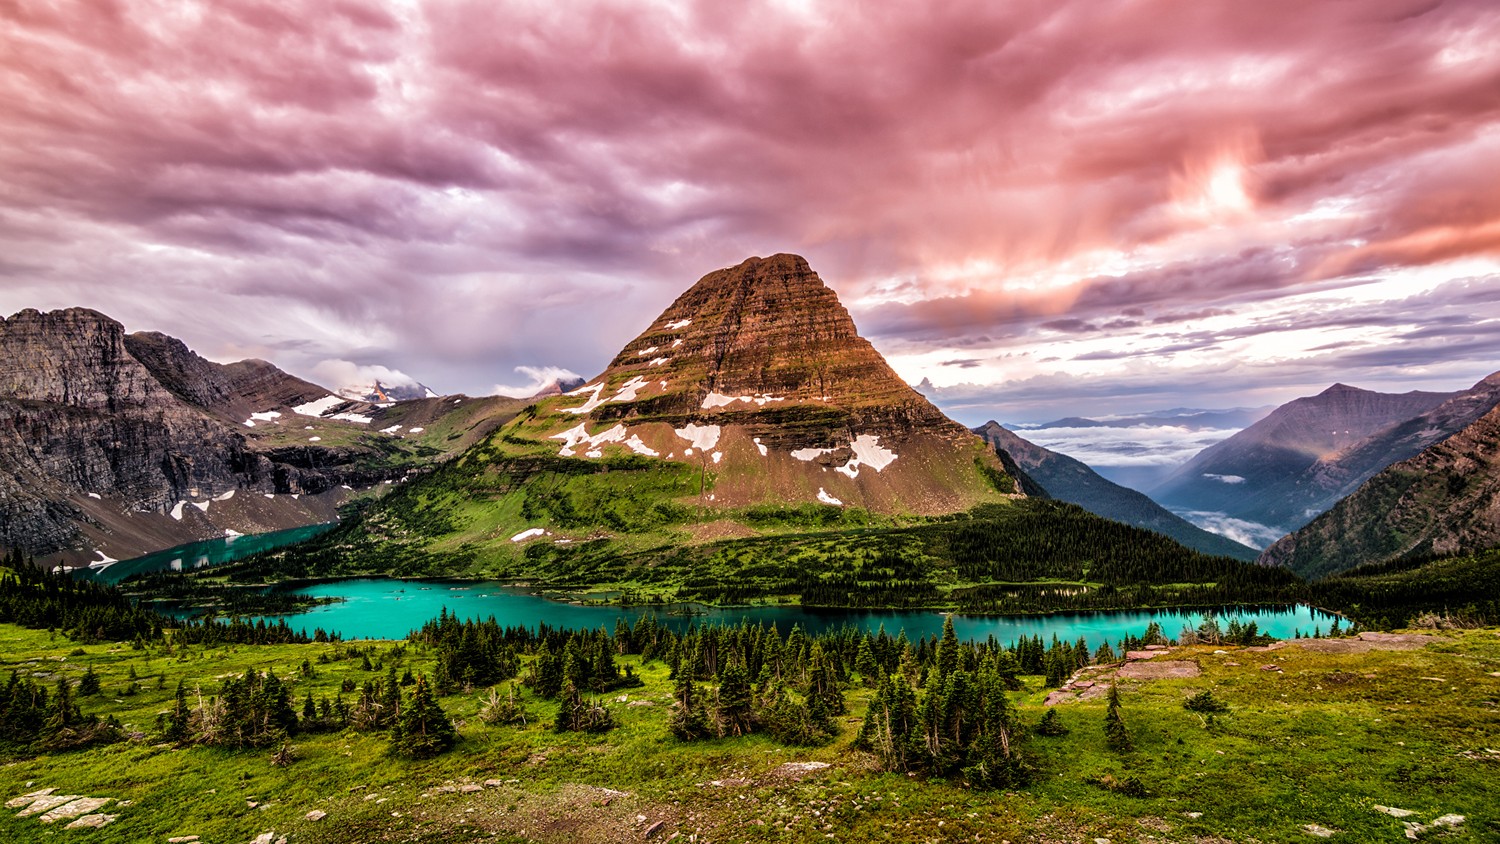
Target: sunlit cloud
point(1119, 202)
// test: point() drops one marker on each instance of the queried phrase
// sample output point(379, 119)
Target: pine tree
point(865, 664)
point(732, 710)
point(1115, 734)
point(889, 722)
point(88, 686)
point(422, 730)
point(576, 714)
point(547, 673)
point(1051, 724)
point(687, 722)
point(822, 681)
point(175, 728)
point(947, 652)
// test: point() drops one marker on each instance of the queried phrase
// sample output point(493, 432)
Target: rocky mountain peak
point(75, 357)
point(759, 372)
point(759, 339)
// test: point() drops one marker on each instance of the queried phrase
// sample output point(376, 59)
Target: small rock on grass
point(183, 839)
point(92, 821)
point(316, 815)
point(1394, 812)
point(1318, 831)
point(26, 799)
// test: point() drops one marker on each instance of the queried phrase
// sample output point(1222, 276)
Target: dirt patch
point(717, 530)
point(1366, 642)
point(1177, 669)
point(796, 770)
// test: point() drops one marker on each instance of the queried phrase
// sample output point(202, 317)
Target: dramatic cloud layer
point(1044, 208)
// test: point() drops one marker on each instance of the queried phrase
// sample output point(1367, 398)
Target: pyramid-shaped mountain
point(758, 375)
point(766, 339)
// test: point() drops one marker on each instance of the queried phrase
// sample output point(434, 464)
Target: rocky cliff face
point(1445, 501)
point(114, 445)
point(1281, 471)
point(232, 391)
point(1066, 479)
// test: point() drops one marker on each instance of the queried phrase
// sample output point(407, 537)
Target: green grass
point(1321, 742)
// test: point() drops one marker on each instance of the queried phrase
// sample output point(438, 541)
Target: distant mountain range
point(1442, 502)
point(1138, 451)
point(377, 392)
point(1307, 454)
point(1070, 480)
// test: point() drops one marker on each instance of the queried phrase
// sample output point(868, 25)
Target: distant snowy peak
point(377, 392)
point(558, 387)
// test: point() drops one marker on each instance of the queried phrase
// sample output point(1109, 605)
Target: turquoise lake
point(196, 555)
point(385, 608)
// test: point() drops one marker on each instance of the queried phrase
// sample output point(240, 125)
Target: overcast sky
point(1043, 208)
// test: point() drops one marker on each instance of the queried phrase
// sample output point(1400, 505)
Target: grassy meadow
point(1321, 740)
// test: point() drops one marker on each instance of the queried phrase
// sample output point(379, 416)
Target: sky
point(1039, 208)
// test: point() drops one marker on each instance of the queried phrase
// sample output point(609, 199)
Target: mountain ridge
point(1443, 502)
point(1263, 473)
point(1067, 479)
point(106, 438)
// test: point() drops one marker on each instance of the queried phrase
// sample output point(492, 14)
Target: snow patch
point(629, 389)
point(677, 342)
point(867, 452)
point(824, 497)
point(636, 445)
point(531, 533)
point(391, 430)
point(658, 361)
point(314, 439)
point(231, 533)
point(352, 417)
point(263, 416)
point(201, 505)
point(225, 497)
point(415, 430)
point(651, 351)
point(319, 407)
point(679, 324)
point(177, 510)
point(94, 495)
point(104, 561)
point(718, 455)
point(578, 436)
point(269, 494)
point(703, 437)
point(1228, 479)
point(593, 402)
point(713, 400)
point(759, 446)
